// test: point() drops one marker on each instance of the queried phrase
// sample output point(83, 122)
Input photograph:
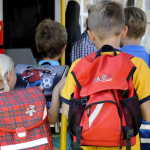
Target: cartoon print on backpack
point(32, 76)
point(47, 77)
point(43, 76)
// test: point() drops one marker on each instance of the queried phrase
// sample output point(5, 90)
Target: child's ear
point(125, 30)
point(63, 49)
point(38, 49)
point(8, 78)
point(91, 35)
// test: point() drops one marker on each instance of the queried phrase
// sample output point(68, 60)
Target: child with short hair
point(8, 80)
point(51, 41)
point(106, 27)
point(136, 21)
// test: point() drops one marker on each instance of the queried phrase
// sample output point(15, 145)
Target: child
point(106, 27)
point(136, 21)
point(51, 41)
point(7, 74)
point(8, 81)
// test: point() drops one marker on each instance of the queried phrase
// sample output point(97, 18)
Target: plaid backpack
point(23, 120)
point(105, 109)
point(47, 75)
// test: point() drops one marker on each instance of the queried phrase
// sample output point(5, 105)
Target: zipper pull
point(88, 112)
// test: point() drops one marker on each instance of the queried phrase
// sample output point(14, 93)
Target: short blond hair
point(6, 66)
point(106, 18)
point(136, 20)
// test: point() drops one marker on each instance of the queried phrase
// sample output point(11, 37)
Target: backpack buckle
point(84, 100)
point(128, 133)
point(21, 133)
point(77, 146)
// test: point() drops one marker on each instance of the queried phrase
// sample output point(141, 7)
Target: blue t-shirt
point(137, 51)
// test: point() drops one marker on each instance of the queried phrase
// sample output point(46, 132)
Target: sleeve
point(141, 79)
point(24, 74)
point(69, 85)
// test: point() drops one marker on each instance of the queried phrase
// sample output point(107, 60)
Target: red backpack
point(23, 120)
point(105, 109)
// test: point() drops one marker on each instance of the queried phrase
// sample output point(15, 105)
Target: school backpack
point(105, 108)
point(24, 120)
point(45, 75)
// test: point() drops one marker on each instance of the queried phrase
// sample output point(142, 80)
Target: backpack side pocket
point(132, 113)
point(75, 114)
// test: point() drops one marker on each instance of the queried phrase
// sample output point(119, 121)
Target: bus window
point(21, 18)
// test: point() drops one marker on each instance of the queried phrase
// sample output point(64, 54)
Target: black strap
point(76, 100)
point(46, 63)
point(107, 47)
point(84, 100)
point(125, 93)
point(128, 133)
point(131, 73)
point(78, 137)
point(80, 87)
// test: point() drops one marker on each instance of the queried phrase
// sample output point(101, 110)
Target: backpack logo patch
point(103, 78)
point(30, 110)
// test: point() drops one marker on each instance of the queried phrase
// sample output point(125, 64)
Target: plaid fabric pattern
point(83, 47)
point(13, 106)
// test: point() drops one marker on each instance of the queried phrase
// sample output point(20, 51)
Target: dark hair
point(30, 67)
point(51, 37)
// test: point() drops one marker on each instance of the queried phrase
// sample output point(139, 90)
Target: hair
point(6, 66)
point(30, 67)
point(51, 37)
point(136, 20)
point(106, 18)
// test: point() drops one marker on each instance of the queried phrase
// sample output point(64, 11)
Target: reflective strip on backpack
point(145, 126)
point(145, 140)
point(95, 113)
point(30, 144)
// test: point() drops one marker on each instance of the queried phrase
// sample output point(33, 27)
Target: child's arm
point(65, 109)
point(55, 102)
point(145, 109)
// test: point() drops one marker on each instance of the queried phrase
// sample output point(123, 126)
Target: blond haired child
point(8, 80)
point(7, 74)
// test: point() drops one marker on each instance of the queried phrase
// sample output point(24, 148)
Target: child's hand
point(60, 85)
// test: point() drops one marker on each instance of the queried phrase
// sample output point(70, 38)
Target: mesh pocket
point(132, 113)
point(75, 114)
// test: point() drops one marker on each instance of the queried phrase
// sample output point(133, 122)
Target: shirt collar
point(52, 62)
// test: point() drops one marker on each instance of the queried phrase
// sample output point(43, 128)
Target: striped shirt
point(82, 47)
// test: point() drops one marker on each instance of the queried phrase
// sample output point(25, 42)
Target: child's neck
point(113, 41)
point(131, 41)
point(54, 59)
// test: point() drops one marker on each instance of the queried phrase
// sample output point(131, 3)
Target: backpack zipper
point(89, 106)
